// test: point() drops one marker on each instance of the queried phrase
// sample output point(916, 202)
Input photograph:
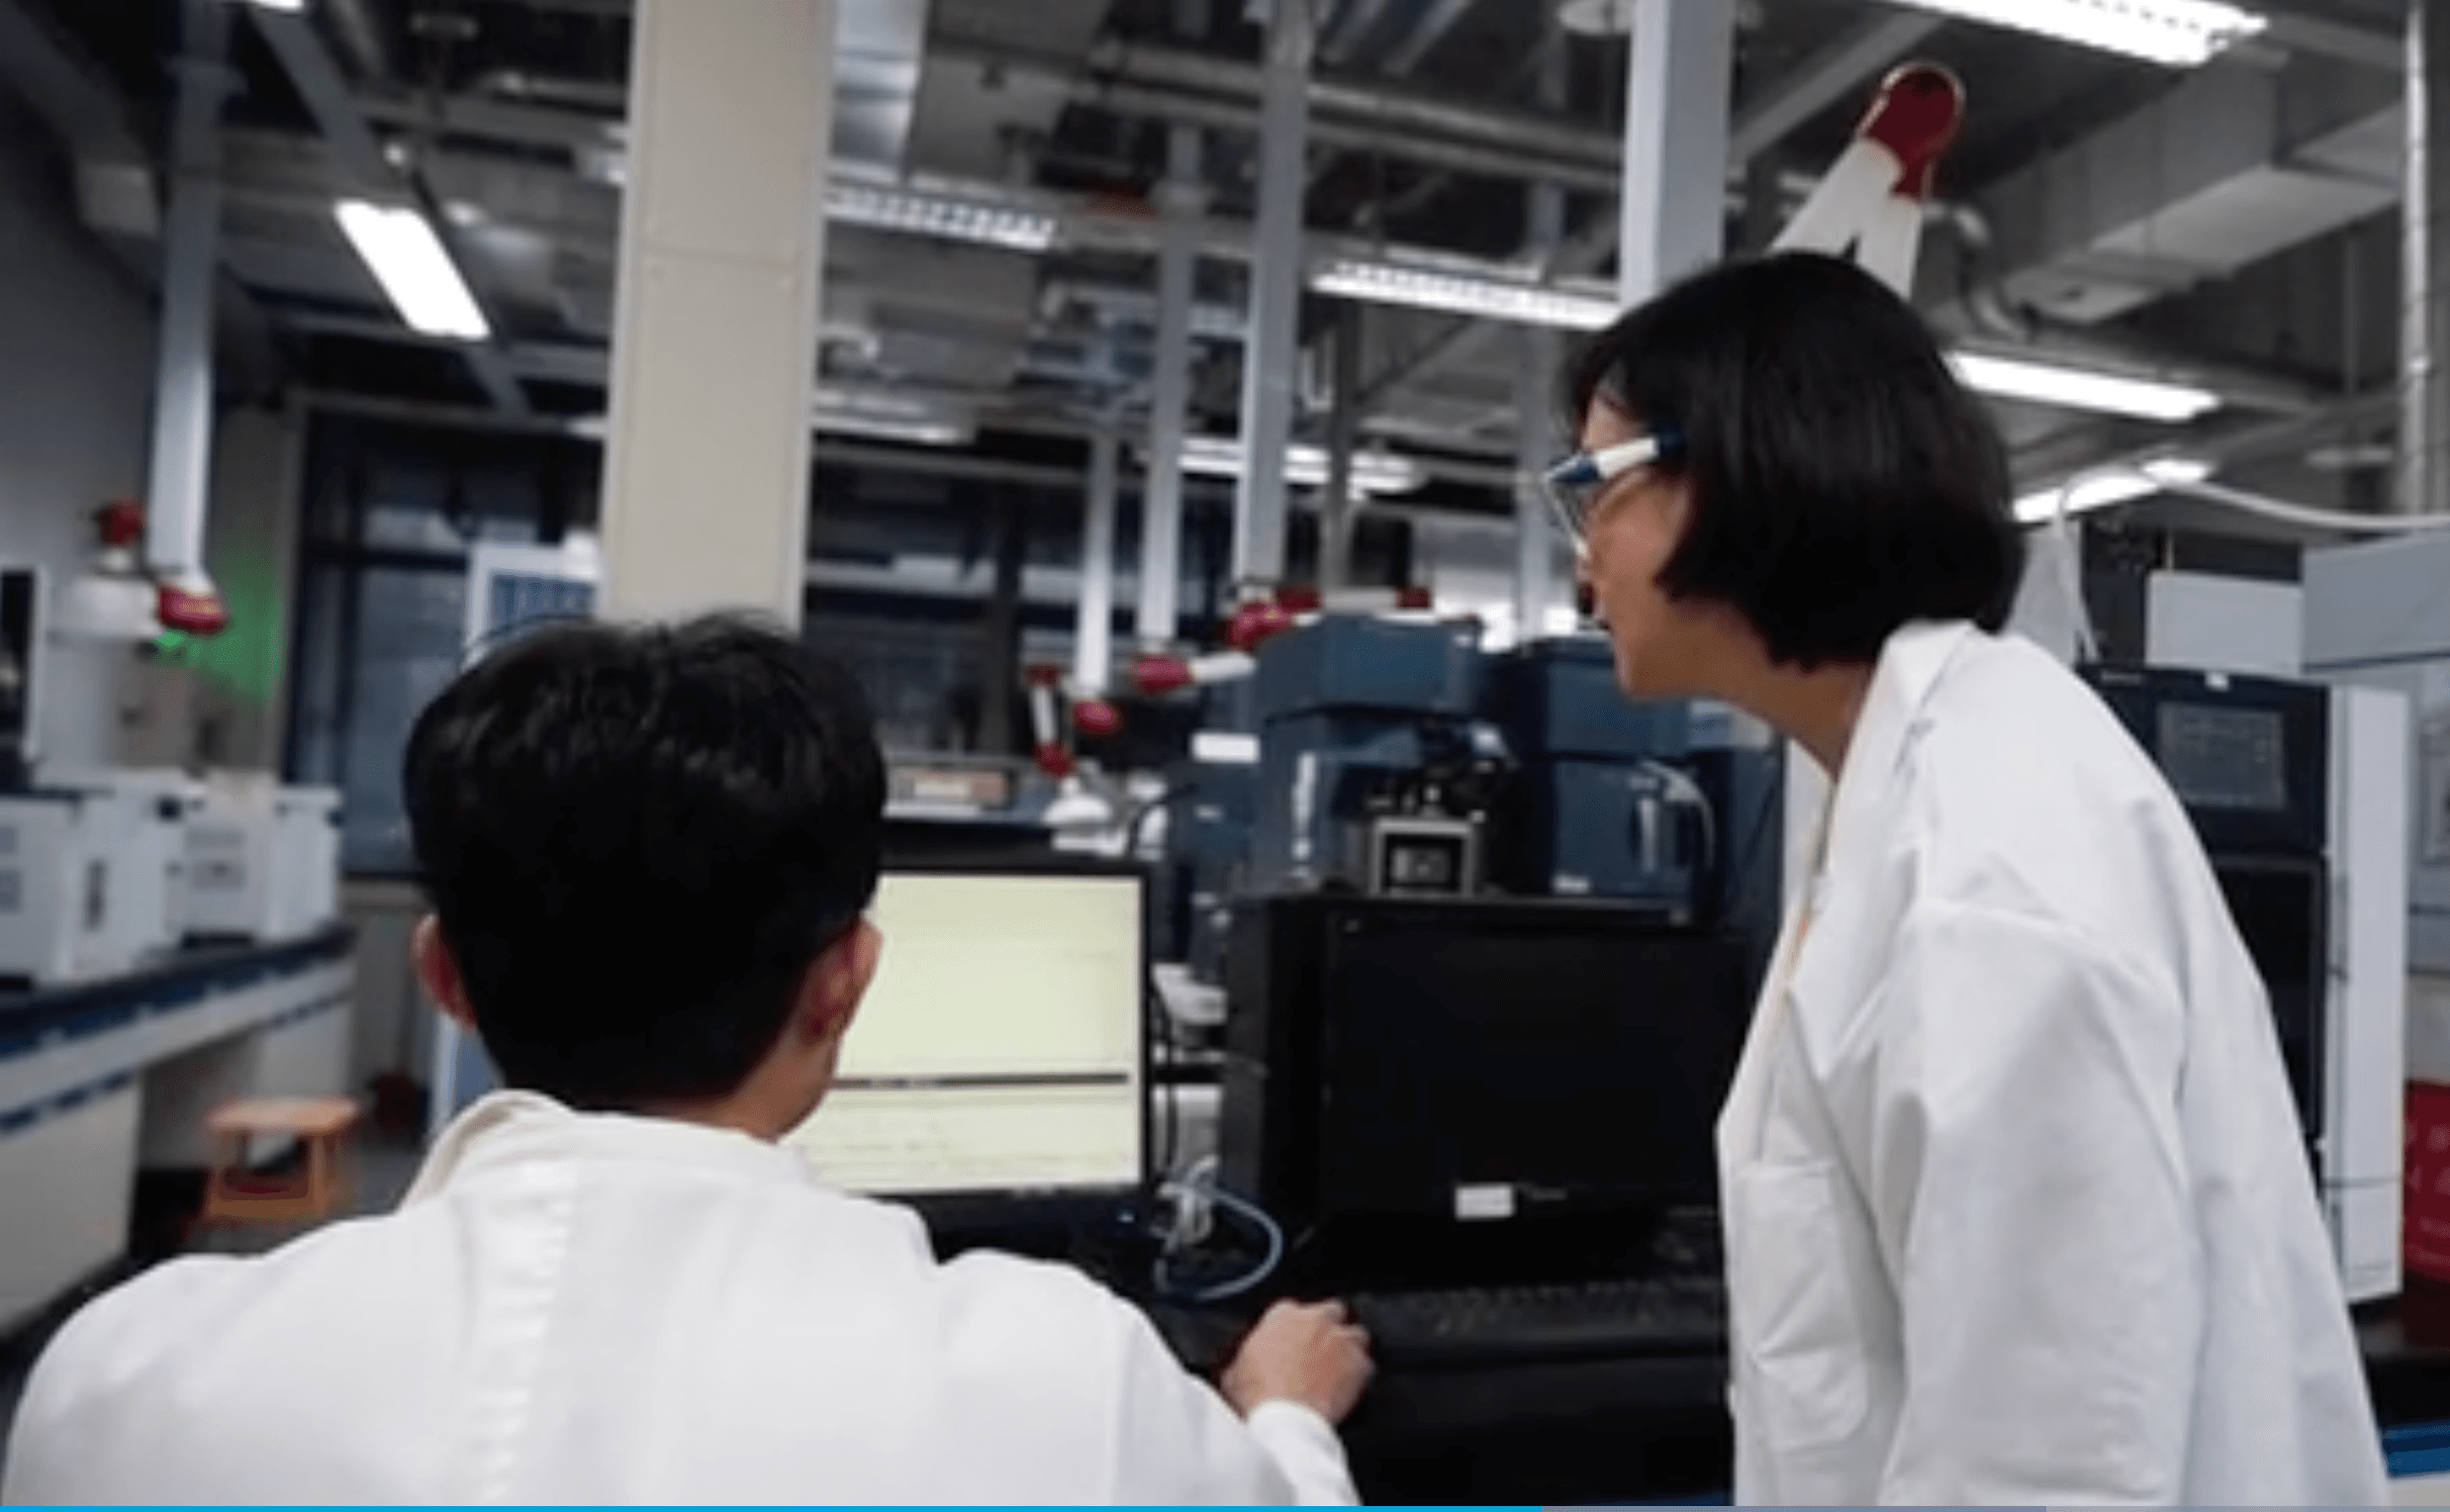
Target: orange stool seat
point(317, 1190)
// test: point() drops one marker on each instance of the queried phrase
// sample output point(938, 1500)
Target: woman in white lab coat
point(2017, 1207)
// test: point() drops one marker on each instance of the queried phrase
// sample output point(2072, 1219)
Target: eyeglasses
point(1574, 486)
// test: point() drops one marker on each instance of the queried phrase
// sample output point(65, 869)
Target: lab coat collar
point(510, 1128)
point(1911, 665)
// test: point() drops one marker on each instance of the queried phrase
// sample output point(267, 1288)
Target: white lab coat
point(2016, 1205)
point(593, 1308)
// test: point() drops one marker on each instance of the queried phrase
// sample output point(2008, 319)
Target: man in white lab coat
point(649, 852)
point(2016, 1205)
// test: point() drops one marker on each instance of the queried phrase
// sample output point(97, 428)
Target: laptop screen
point(1002, 1045)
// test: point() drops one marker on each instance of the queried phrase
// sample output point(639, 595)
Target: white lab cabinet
point(264, 862)
point(135, 824)
point(55, 890)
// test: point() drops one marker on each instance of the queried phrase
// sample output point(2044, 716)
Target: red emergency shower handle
point(1916, 116)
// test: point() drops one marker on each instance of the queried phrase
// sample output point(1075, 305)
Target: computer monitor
point(1511, 1062)
point(1446, 1079)
point(1002, 1045)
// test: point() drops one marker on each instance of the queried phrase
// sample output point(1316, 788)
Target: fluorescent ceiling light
point(1014, 226)
point(1375, 471)
point(917, 432)
point(398, 247)
point(915, 418)
point(2179, 33)
point(858, 411)
point(2075, 388)
point(1462, 293)
point(2100, 492)
point(291, 6)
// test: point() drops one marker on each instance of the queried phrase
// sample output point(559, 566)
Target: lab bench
point(101, 1079)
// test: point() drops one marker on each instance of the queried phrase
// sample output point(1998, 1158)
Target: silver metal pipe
point(1395, 110)
point(1093, 644)
point(1161, 501)
point(2425, 315)
point(179, 474)
point(1510, 164)
point(1436, 22)
point(1272, 354)
point(1344, 422)
point(361, 35)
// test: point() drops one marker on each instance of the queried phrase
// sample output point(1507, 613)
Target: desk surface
point(1657, 1430)
point(28, 1020)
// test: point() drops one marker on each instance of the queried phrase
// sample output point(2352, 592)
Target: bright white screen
point(1001, 1044)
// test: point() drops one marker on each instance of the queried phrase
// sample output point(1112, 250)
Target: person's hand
point(1311, 1353)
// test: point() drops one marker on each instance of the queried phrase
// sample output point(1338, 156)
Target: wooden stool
point(319, 1189)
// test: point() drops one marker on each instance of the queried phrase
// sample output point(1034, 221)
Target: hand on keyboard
point(1310, 1353)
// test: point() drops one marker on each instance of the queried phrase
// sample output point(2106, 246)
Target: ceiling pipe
point(363, 39)
point(1436, 22)
point(179, 473)
point(602, 97)
point(1344, 132)
point(1349, 28)
point(1395, 110)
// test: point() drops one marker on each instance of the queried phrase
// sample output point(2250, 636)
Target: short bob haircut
point(1842, 482)
point(636, 839)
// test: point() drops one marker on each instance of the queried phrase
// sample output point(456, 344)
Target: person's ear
point(437, 970)
point(837, 980)
point(1680, 506)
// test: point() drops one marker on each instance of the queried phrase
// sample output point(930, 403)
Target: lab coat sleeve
point(2026, 1171)
point(1179, 1442)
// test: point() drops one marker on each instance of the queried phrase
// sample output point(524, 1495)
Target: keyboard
point(1682, 1314)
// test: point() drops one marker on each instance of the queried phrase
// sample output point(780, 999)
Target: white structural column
point(1677, 84)
point(1536, 357)
point(1093, 641)
point(1535, 534)
point(1169, 392)
point(715, 332)
point(1270, 353)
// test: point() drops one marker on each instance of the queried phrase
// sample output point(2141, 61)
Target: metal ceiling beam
point(422, 411)
point(463, 114)
point(1346, 133)
point(117, 193)
point(2229, 167)
point(71, 93)
point(607, 10)
point(1464, 338)
point(551, 203)
point(361, 158)
point(362, 36)
point(2329, 39)
point(2266, 440)
point(1829, 77)
point(1396, 113)
point(570, 131)
point(325, 95)
point(1436, 22)
point(1350, 27)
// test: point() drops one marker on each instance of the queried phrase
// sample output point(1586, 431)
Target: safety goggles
point(1574, 486)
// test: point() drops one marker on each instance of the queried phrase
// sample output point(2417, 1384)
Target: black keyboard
point(1682, 1314)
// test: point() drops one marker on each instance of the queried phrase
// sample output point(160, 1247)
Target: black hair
point(636, 839)
point(1842, 482)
